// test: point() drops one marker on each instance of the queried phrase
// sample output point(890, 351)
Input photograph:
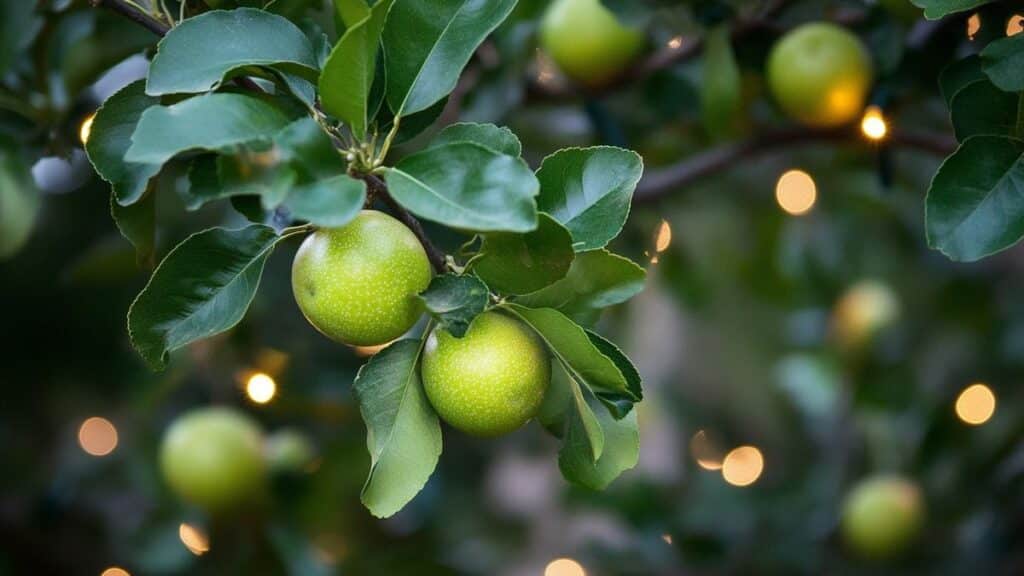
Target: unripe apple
point(882, 515)
point(289, 451)
point(587, 42)
point(865, 309)
point(489, 382)
point(213, 457)
point(358, 284)
point(820, 74)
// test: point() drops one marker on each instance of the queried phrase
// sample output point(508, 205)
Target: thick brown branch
point(379, 189)
point(128, 11)
point(661, 182)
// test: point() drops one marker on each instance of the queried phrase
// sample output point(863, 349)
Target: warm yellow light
point(675, 43)
point(194, 539)
point(564, 567)
point(1015, 25)
point(976, 404)
point(873, 124)
point(743, 466)
point(115, 571)
point(261, 388)
point(86, 129)
point(973, 25)
point(705, 452)
point(667, 538)
point(796, 192)
point(367, 351)
point(664, 238)
point(97, 436)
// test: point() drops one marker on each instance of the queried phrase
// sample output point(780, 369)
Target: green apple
point(289, 451)
point(213, 457)
point(882, 515)
point(820, 74)
point(587, 42)
point(358, 284)
point(864, 310)
point(489, 382)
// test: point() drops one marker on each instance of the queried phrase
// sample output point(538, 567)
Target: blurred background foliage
point(833, 342)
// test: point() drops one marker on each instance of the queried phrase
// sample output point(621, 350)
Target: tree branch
point(661, 182)
point(379, 189)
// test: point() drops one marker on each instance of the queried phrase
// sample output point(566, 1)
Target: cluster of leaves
point(975, 205)
point(296, 153)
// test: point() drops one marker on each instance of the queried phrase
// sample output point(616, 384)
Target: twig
point(664, 181)
point(141, 18)
point(379, 189)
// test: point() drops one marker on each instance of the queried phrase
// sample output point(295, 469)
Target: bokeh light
point(675, 43)
point(115, 571)
point(705, 451)
point(973, 25)
point(743, 466)
point(664, 238)
point(97, 436)
point(85, 130)
point(796, 192)
point(976, 404)
point(564, 567)
point(194, 539)
point(261, 388)
point(873, 124)
point(1015, 25)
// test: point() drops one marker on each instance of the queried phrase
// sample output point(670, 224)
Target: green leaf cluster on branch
point(975, 204)
point(302, 135)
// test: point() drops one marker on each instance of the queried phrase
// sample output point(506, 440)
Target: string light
point(564, 567)
point(115, 571)
point(976, 404)
point(194, 539)
point(973, 25)
point(873, 124)
point(796, 192)
point(97, 436)
point(1015, 25)
point(743, 466)
point(261, 388)
point(705, 451)
point(85, 130)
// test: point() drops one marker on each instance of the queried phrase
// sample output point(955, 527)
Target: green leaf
point(513, 263)
point(554, 410)
point(618, 404)
point(351, 12)
point(428, 43)
point(137, 223)
point(331, 203)
point(303, 146)
point(982, 108)
point(18, 26)
point(1003, 62)
point(199, 53)
point(201, 288)
point(571, 345)
point(454, 301)
point(975, 205)
point(589, 190)
point(348, 75)
point(112, 129)
point(19, 200)
point(464, 185)
point(583, 439)
point(209, 122)
point(720, 96)
point(621, 452)
point(596, 280)
point(935, 9)
point(499, 139)
point(403, 435)
point(958, 75)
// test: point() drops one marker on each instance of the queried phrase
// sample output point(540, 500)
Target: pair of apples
point(819, 73)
